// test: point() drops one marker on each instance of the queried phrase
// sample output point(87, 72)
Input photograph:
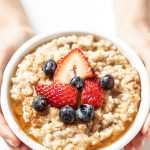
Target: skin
point(14, 30)
point(134, 28)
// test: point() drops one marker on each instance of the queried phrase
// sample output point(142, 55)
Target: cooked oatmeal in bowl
point(78, 91)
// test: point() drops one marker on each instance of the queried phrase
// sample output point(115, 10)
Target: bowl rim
point(36, 41)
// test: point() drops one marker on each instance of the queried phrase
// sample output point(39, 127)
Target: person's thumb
point(6, 133)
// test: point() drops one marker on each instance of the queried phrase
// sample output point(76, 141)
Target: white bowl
point(43, 38)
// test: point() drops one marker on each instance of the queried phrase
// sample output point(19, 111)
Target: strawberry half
point(59, 95)
point(74, 63)
point(93, 93)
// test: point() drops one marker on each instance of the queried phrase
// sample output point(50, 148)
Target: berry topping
point(107, 82)
point(67, 114)
point(40, 103)
point(92, 93)
point(77, 82)
point(73, 64)
point(85, 112)
point(49, 68)
point(59, 95)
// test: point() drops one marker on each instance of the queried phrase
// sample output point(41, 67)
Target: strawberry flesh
point(74, 63)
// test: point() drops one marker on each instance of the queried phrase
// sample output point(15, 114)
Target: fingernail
point(9, 141)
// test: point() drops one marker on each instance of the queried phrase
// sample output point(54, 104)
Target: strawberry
point(74, 63)
point(93, 93)
point(59, 95)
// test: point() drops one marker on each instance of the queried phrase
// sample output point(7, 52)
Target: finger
point(138, 141)
point(6, 133)
point(21, 147)
point(147, 135)
point(24, 147)
point(146, 125)
point(129, 147)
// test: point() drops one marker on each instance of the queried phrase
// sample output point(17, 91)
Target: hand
point(139, 39)
point(11, 37)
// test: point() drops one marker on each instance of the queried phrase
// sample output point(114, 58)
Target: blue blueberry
point(67, 114)
point(85, 112)
point(49, 68)
point(107, 82)
point(40, 103)
point(77, 82)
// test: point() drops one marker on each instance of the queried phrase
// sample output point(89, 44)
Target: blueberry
point(77, 82)
point(67, 114)
point(107, 82)
point(85, 112)
point(40, 103)
point(49, 68)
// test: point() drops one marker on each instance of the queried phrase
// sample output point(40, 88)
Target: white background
point(52, 15)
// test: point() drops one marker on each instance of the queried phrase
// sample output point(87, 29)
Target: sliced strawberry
point(74, 63)
point(93, 93)
point(58, 95)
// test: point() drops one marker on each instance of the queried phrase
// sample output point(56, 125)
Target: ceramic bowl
point(43, 38)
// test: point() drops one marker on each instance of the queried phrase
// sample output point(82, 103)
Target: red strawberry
point(93, 93)
point(74, 63)
point(58, 95)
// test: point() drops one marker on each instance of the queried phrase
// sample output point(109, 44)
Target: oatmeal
point(111, 119)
